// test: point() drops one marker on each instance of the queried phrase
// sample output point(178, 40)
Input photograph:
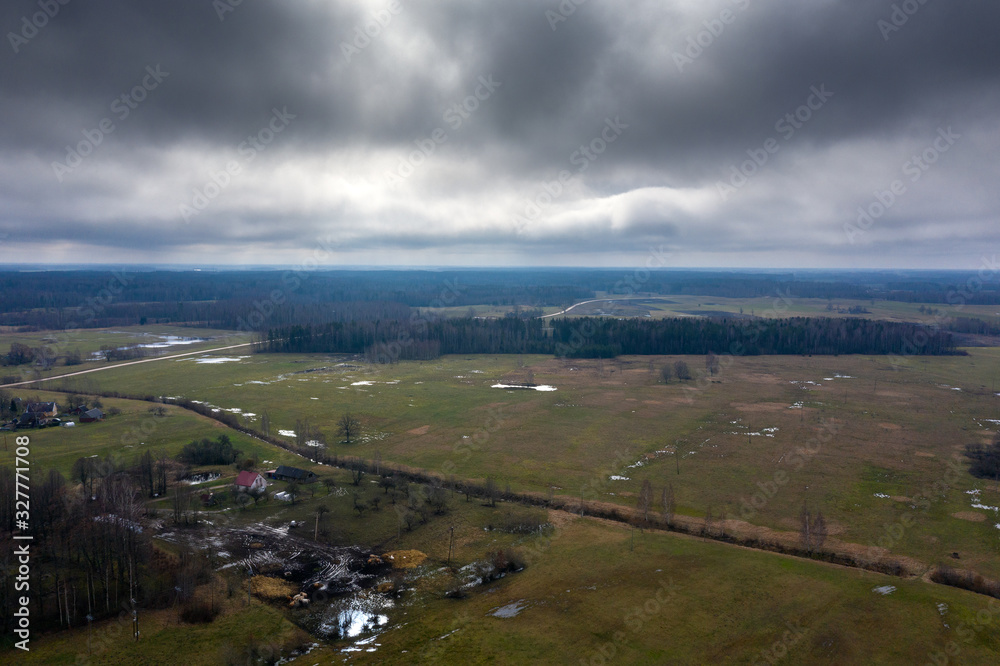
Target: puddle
point(196, 479)
point(213, 360)
point(531, 387)
point(510, 610)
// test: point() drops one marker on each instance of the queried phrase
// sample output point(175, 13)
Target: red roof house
point(250, 482)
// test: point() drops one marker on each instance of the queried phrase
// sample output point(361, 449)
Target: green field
point(887, 474)
point(897, 428)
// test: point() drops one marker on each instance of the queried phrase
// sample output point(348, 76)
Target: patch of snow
point(510, 610)
point(220, 359)
point(618, 477)
point(287, 433)
point(363, 383)
point(882, 495)
point(540, 387)
point(884, 589)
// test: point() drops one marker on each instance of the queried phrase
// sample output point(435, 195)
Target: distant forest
point(243, 299)
point(390, 341)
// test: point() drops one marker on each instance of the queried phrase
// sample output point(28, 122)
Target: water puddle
point(510, 610)
point(529, 387)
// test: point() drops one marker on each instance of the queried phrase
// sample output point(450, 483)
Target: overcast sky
point(733, 133)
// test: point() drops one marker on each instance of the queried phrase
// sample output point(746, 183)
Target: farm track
point(122, 365)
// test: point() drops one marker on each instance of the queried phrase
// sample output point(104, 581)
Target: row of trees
point(388, 341)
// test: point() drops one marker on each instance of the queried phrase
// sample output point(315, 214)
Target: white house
point(250, 482)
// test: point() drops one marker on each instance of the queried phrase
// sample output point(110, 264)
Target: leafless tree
point(491, 490)
point(812, 529)
point(348, 426)
point(645, 499)
point(712, 364)
point(667, 373)
point(667, 503)
point(682, 371)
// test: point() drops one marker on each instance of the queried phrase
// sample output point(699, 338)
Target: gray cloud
point(379, 156)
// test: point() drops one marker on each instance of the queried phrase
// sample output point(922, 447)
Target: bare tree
point(819, 530)
point(294, 490)
point(491, 490)
point(682, 371)
point(320, 510)
point(645, 499)
point(667, 373)
point(712, 364)
point(667, 503)
point(812, 529)
point(348, 427)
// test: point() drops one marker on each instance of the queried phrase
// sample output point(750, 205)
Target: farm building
point(250, 482)
point(286, 473)
point(42, 410)
point(91, 415)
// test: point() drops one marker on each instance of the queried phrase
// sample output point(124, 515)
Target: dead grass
point(273, 589)
point(405, 559)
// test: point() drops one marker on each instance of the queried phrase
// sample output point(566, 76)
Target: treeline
point(241, 299)
point(606, 338)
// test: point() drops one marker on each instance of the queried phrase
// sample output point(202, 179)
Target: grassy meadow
point(892, 453)
point(874, 443)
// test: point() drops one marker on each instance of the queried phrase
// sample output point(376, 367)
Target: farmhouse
point(286, 473)
point(91, 415)
point(42, 410)
point(250, 482)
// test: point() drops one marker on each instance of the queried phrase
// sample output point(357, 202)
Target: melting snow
point(540, 387)
point(884, 589)
point(287, 433)
point(510, 610)
point(882, 495)
point(220, 359)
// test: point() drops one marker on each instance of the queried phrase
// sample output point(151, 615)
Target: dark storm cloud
point(696, 84)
